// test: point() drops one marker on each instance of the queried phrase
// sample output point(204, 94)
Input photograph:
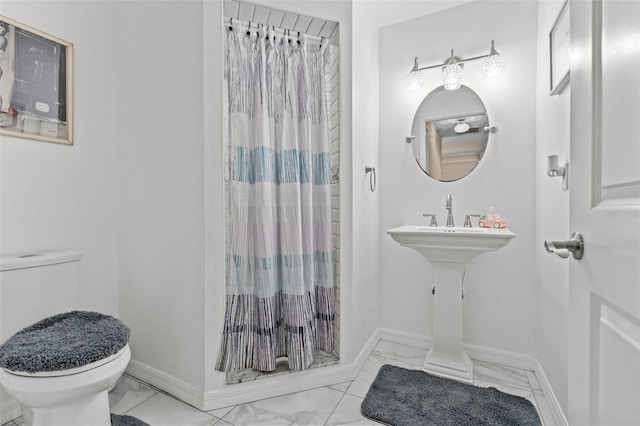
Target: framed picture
point(559, 45)
point(36, 97)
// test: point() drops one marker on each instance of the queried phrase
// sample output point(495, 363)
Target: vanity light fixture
point(492, 66)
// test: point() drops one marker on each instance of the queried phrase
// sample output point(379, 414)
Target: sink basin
point(451, 244)
point(449, 250)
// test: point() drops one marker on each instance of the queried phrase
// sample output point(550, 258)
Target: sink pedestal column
point(447, 358)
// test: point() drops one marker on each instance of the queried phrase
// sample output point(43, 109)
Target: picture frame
point(559, 47)
point(36, 84)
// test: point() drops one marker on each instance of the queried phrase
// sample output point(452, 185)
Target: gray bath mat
point(120, 420)
point(402, 397)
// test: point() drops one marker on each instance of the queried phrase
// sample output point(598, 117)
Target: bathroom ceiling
point(295, 22)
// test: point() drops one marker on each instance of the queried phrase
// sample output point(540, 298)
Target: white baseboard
point(167, 383)
point(404, 338)
point(366, 350)
point(479, 353)
point(9, 409)
point(556, 410)
point(497, 356)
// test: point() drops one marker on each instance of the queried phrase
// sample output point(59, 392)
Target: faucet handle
point(433, 222)
point(467, 220)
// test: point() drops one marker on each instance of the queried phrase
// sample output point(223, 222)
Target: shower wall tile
point(333, 112)
point(335, 204)
point(333, 135)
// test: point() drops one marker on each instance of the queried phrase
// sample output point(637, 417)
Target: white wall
point(368, 16)
point(161, 203)
point(499, 303)
point(213, 299)
point(552, 213)
point(58, 196)
point(364, 148)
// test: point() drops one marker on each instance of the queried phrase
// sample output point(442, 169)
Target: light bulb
point(493, 64)
point(451, 76)
point(415, 80)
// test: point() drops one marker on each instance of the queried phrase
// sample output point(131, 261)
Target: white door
point(604, 347)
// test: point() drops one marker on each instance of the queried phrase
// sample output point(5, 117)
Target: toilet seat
point(70, 371)
point(63, 342)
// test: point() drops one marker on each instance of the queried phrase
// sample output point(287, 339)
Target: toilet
point(68, 386)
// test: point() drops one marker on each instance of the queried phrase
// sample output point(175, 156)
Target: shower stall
point(282, 197)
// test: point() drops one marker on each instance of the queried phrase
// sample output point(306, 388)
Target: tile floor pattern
point(332, 405)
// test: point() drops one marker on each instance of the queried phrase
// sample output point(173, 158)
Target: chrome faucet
point(449, 207)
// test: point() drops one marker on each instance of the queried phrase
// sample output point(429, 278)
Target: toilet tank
point(35, 286)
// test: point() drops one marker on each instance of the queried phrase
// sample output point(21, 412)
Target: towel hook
point(372, 177)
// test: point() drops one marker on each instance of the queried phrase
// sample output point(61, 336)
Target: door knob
point(574, 245)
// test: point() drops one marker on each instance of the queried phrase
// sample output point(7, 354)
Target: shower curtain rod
point(280, 31)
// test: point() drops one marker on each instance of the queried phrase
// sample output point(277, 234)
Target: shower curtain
point(279, 263)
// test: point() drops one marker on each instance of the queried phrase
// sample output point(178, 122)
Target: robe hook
point(372, 177)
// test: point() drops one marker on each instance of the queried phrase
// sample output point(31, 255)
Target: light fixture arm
point(458, 60)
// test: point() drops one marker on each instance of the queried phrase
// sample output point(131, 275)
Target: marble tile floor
point(331, 405)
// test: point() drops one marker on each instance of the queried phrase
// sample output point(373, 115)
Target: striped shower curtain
point(279, 260)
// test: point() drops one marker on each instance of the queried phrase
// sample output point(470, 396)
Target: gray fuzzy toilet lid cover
point(64, 341)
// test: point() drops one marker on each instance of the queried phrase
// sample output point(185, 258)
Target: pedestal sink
point(449, 250)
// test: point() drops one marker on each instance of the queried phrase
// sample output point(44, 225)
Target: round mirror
point(450, 133)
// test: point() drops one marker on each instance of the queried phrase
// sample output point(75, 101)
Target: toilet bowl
point(72, 397)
